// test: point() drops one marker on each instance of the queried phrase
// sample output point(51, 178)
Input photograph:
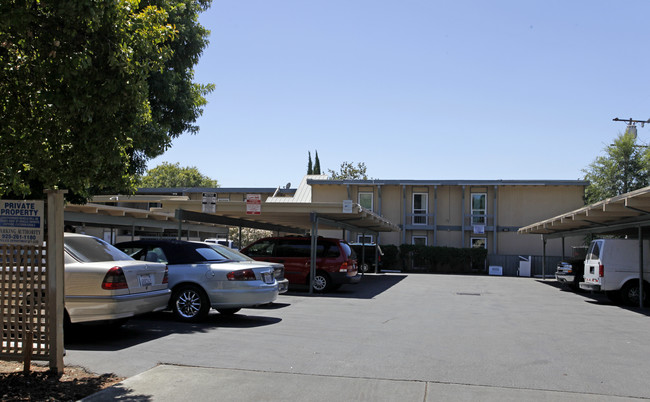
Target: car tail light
point(166, 277)
point(601, 270)
point(115, 279)
point(241, 275)
point(344, 267)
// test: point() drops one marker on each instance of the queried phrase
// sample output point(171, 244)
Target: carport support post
point(544, 257)
point(313, 217)
point(641, 290)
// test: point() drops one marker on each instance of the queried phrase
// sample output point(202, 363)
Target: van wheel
point(322, 282)
point(630, 294)
point(364, 268)
point(190, 303)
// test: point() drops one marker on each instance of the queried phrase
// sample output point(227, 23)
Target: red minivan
point(336, 262)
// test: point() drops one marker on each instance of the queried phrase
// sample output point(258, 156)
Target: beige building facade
point(461, 213)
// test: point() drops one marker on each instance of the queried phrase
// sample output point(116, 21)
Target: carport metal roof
point(112, 217)
point(617, 214)
point(290, 218)
point(295, 215)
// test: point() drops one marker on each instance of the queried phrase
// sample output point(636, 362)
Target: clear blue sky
point(454, 89)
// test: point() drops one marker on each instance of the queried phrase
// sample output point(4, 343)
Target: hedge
point(417, 258)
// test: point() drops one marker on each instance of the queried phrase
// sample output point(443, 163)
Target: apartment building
point(460, 213)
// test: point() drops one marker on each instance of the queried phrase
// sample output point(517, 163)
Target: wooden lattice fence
point(23, 303)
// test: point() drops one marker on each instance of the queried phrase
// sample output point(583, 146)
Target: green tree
point(348, 171)
point(168, 175)
point(316, 164)
point(310, 167)
point(624, 168)
point(92, 89)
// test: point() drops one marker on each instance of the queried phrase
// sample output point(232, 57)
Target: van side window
point(261, 249)
point(331, 250)
point(594, 251)
point(293, 248)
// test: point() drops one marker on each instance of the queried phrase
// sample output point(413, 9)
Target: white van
point(612, 266)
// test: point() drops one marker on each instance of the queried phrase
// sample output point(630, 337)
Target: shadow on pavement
point(156, 325)
point(370, 286)
point(597, 298)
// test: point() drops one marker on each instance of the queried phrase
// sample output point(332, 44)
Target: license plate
point(268, 278)
point(145, 280)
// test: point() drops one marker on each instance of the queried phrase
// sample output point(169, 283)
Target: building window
point(420, 208)
point(419, 240)
point(479, 208)
point(365, 200)
point(367, 239)
point(479, 242)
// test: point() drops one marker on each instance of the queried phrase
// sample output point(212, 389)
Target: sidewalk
point(177, 383)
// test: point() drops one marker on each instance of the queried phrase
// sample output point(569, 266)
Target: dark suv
point(336, 262)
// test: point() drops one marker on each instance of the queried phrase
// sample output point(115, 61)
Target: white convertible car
point(200, 278)
point(103, 284)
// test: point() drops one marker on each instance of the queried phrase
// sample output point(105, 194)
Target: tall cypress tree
point(310, 170)
point(316, 165)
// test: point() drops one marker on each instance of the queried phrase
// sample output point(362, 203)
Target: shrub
point(449, 260)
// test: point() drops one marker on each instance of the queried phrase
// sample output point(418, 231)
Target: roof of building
point(397, 182)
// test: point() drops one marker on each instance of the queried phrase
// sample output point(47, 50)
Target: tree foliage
point(310, 166)
point(167, 175)
point(348, 171)
point(92, 89)
point(624, 168)
point(316, 164)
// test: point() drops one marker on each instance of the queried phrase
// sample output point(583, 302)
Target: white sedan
point(103, 284)
point(201, 278)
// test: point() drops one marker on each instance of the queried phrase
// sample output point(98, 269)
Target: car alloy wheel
point(190, 304)
point(321, 282)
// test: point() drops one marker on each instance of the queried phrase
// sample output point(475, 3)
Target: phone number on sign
point(17, 237)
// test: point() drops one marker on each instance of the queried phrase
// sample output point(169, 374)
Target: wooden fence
point(23, 303)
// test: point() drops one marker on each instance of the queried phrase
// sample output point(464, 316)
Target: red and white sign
point(253, 204)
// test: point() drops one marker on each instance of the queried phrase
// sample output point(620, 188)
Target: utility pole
point(631, 125)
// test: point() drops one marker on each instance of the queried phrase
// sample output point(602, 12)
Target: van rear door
point(592, 274)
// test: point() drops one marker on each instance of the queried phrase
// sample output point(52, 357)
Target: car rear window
point(594, 251)
point(349, 252)
point(92, 249)
point(210, 254)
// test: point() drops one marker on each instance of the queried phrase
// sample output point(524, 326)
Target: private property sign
point(21, 222)
point(253, 204)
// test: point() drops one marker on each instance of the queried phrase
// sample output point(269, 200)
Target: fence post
point(55, 276)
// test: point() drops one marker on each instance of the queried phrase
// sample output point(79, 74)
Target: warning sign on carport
point(253, 204)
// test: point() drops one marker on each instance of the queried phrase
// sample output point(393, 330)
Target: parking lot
point(416, 336)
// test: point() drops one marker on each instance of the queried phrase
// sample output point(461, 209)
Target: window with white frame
point(420, 208)
point(365, 200)
point(419, 240)
point(479, 208)
point(479, 242)
point(367, 239)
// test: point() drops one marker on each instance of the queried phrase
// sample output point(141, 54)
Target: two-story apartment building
point(459, 213)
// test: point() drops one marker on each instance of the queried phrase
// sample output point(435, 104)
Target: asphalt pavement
point(393, 337)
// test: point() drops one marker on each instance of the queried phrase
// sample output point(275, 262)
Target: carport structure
point(627, 214)
point(296, 217)
point(289, 216)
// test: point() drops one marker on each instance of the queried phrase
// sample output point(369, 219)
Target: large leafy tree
point(173, 175)
point(348, 171)
point(92, 89)
point(623, 168)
